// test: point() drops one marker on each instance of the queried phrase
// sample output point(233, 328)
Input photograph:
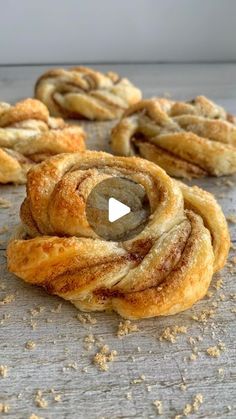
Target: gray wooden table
point(55, 377)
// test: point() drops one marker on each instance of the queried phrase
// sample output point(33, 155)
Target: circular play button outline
point(117, 209)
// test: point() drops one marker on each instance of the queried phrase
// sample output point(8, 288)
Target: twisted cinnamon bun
point(28, 135)
point(187, 139)
point(165, 269)
point(82, 93)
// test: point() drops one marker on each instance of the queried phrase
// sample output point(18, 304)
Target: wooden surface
point(146, 369)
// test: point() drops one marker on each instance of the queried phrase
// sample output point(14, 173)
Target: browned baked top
point(29, 135)
point(83, 93)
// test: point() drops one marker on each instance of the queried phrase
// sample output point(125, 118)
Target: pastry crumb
point(4, 229)
point(193, 357)
point(4, 408)
point(221, 372)
point(36, 311)
point(231, 218)
point(3, 371)
point(170, 333)
point(138, 380)
point(204, 315)
point(129, 395)
point(213, 351)
point(30, 345)
point(33, 416)
point(219, 284)
point(72, 365)
point(7, 299)
point(198, 400)
point(190, 408)
point(4, 203)
point(158, 405)
point(57, 309)
point(86, 319)
point(103, 357)
point(40, 401)
point(89, 341)
point(125, 328)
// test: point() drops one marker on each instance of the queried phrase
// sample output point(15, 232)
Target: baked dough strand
point(187, 139)
point(29, 135)
point(83, 93)
point(165, 269)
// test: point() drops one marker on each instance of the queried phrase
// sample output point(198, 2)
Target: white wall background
point(76, 31)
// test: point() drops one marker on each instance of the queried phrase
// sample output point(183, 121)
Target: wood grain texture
point(59, 336)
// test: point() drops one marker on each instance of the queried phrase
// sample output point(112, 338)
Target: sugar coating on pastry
point(187, 139)
point(83, 93)
point(29, 135)
point(165, 269)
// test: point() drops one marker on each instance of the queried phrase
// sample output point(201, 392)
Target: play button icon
point(117, 209)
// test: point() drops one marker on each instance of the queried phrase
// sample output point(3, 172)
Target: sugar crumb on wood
point(103, 357)
point(191, 407)
point(125, 328)
point(86, 319)
point(158, 406)
point(70, 365)
point(204, 315)
point(37, 310)
point(215, 351)
point(231, 218)
point(3, 371)
point(138, 380)
point(40, 401)
point(56, 396)
point(129, 395)
point(89, 341)
point(57, 309)
point(171, 333)
point(30, 345)
point(4, 203)
point(4, 408)
point(7, 299)
point(4, 229)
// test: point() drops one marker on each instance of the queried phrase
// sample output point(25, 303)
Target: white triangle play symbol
point(116, 210)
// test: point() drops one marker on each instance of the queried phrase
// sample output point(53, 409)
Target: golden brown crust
point(83, 93)
point(163, 270)
point(187, 139)
point(28, 135)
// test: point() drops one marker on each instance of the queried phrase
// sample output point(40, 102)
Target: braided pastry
point(163, 270)
point(28, 135)
point(186, 139)
point(82, 93)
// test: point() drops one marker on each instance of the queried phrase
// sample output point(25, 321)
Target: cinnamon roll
point(163, 270)
point(28, 135)
point(187, 139)
point(83, 93)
